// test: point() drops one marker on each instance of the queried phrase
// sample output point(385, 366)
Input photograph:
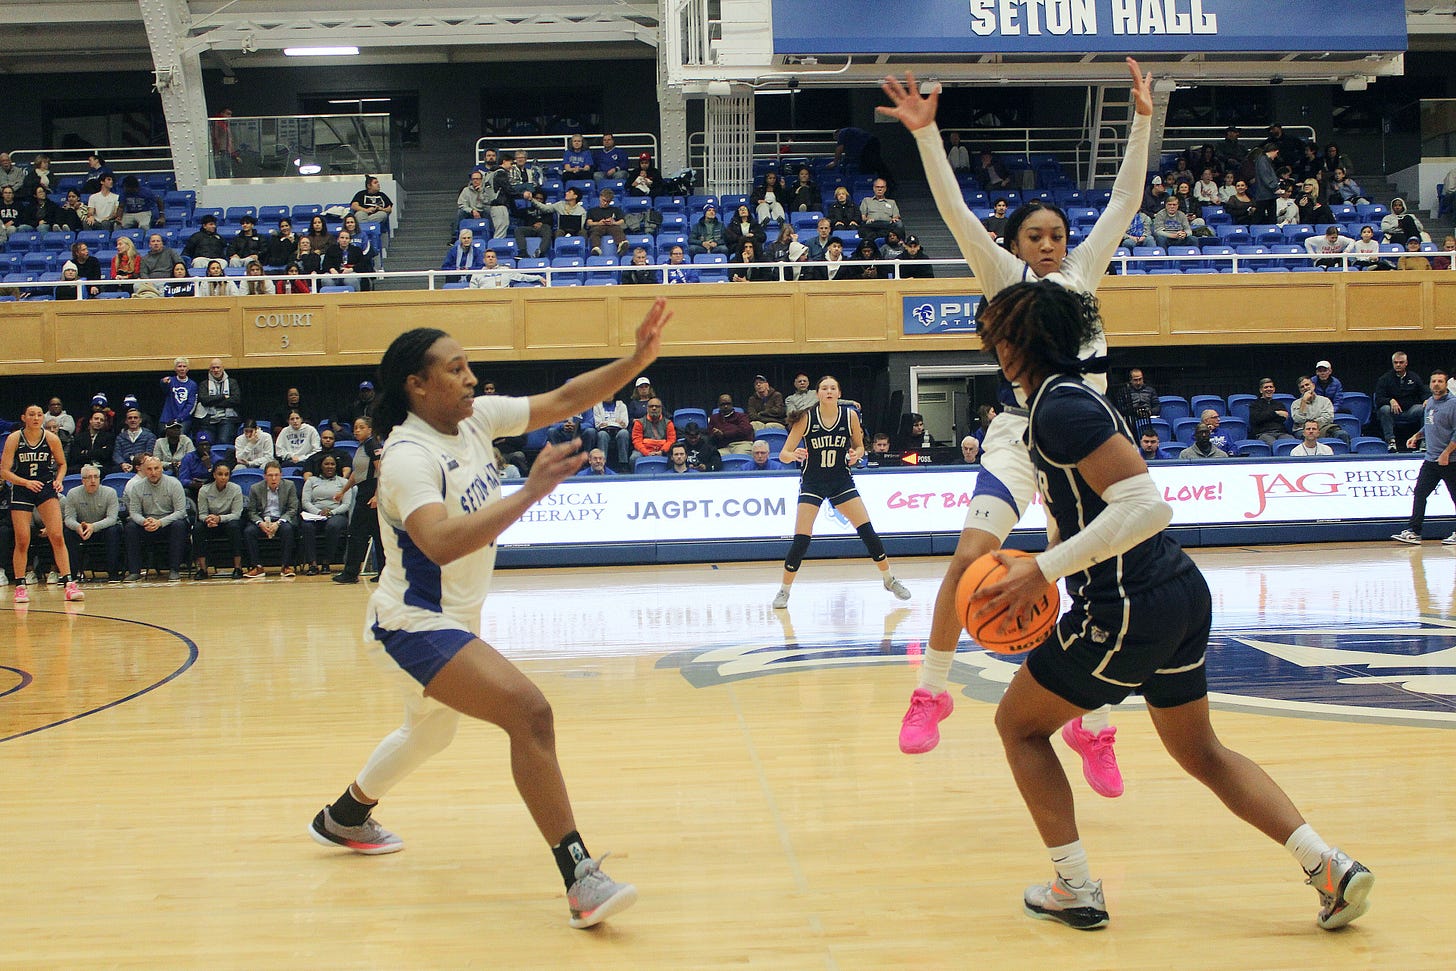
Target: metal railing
point(123, 160)
point(547, 150)
point(1179, 138)
point(289, 146)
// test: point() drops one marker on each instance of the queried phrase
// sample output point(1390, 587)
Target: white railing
point(127, 160)
point(547, 150)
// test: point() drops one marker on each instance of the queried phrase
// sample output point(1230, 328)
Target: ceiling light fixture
point(320, 51)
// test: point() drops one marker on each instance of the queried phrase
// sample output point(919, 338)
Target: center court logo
point(1401, 673)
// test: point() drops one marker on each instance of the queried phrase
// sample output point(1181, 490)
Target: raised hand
point(1142, 88)
point(914, 110)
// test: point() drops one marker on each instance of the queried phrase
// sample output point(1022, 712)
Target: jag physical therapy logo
point(940, 315)
point(1400, 673)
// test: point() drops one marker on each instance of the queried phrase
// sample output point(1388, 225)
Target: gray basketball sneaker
point(1344, 888)
point(595, 896)
point(897, 588)
point(781, 599)
point(1082, 908)
point(371, 839)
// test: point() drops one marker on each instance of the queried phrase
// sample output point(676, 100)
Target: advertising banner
point(940, 314)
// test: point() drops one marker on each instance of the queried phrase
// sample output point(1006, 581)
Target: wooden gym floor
point(164, 746)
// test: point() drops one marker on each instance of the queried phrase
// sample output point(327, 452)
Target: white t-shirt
point(1320, 448)
point(420, 467)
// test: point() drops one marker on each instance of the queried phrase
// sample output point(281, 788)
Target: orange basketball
point(997, 631)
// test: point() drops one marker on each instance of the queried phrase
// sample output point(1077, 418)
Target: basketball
point(997, 632)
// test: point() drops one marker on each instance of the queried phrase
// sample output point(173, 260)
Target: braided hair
point(1046, 325)
point(407, 354)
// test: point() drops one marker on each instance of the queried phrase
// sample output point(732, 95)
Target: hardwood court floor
point(742, 766)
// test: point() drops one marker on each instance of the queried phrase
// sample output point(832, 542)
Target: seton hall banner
point(1076, 27)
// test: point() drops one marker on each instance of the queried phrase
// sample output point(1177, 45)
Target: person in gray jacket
point(219, 513)
point(156, 510)
point(272, 513)
point(159, 258)
point(321, 497)
point(92, 516)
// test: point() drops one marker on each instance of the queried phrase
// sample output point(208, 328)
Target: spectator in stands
point(768, 199)
point(729, 429)
point(707, 234)
point(743, 269)
point(39, 174)
point(1205, 190)
point(1329, 247)
point(893, 248)
point(819, 243)
point(596, 464)
point(1400, 224)
point(1307, 165)
point(92, 518)
point(1334, 159)
point(911, 433)
point(499, 198)
point(1227, 190)
point(489, 162)
point(141, 208)
point(787, 249)
point(156, 514)
point(766, 406)
point(1155, 196)
point(677, 460)
point(11, 175)
point(247, 246)
point(958, 155)
point(492, 275)
point(73, 214)
point(857, 147)
point(131, 401)
point(1148, 444)
point(297, 442)
point(915, 263)
point(343, 460)
point(1448, 245)
point(1313, 406)
point(801, 400)
point(653, 433)
point(220, 398)
point(362, 406)
point(345, 263)
point(296, 283)
point(281, 246)
point(126, 264)
point(609, 161)
point(93, 444)
point(133, 443)
point(699, 452)
point(1203, 447)
point(309, 260)
point(678, 269)
point(216, 283)
point(318, 236)
point(1290, 147)
point(472, 202)
point(371, 204)
point(196, 469)
point(253, 449)
point(205, 245)
point(1399, 399)
point(740, 228)
point(103, 207)
point(1310, 445)
point(572, 429)
point(1343, 189)
point(1268, 418)
point(640, 272)
point(576, 162)
point(172, 447)
point(645, 179)
point(10, 213)
point(463, 255)
point(96, 170)
point(1413, 260)
point(272, 514)
point(762, 462)
point(1311, 209)
point(38, 213)
point(803, 195)
point(225, 153)
point(990, 173)
point(642, 395)
point(1138, 400)
point(879, 213)
point(326, 510)
point(613, 429)
point(866, 262)
point(1327, 385)
point(836, 268)
point(842, 214)
point(219, 513)
point(1192, 208)
point(1241, 207)
point(157, 262)
point(571, 215)
point(57, 410)
point(87, 268)
point(606, 219)
point(179, 395)
point(534, 220)
point(1170, 225)
point(996, 222)
point(180, 283)
point(525, 175)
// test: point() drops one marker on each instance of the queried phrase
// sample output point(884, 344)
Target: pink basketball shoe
point(1099, 761)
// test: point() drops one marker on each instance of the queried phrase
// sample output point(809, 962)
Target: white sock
point(935, 670)
point(1095, 721)
point(1071, 864)
point(1305, 845)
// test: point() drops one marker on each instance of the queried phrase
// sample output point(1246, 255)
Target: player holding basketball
point(827, 440)
point(441, 507)
point(1036, 249)
point(34, 463)
point(1140, 617)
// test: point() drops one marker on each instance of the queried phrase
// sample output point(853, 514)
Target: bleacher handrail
point(1179, 138)
point(123, 160)
point(547, 150)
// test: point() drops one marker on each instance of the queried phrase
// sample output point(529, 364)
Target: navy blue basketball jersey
point(828, 445)
point(1069, 421)
point(34, 462)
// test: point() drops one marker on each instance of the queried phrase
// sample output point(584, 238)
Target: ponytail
point(407, 354)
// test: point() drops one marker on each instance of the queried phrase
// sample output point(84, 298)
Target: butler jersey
point(37, 462)
point(422, 466)
point(1068, 422)
point(828, 448)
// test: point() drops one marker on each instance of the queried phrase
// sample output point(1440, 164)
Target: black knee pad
point(872, 542)
point(797, 549)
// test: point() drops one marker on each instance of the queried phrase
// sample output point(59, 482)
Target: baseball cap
point(366, 385)
point(912, 240)
point(641, 381)
point(1157, 180)
point(174, 423)
point(99, 399)
point(645, 155)
point(202, 438)
point(1415, 239)
point(1321, 365)
point(759, 377)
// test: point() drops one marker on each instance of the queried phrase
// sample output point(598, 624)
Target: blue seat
point(1232, 234)
point(650, 465)
point(1171, 407)
point(567, 279)
point(730, 203)
point(1357, 403)
point(456, 285)
point(504, 248)
point(666, 241)
point(40, 262)
point(220, 452)
point(1349, 424)
point(271, 214)
point(600, 276)
point(1162, 426)
point(114, 295)
point(29, 240)
point(117, 481)
point(335, 290)
point(1297, 233)
point(1252, 447)
point(710, 259)
point(1336, 446)
point(1183, 429)
point(736, 463)
point(570, 246)
point(696, 203)
point(530, 264)
point(1234, 428)
point(1146, 251)
point(245, 479)
point(1368, 445)
point(1297, 257)
point(775, 437)
point(1284, 446)
point(1238, 405)
point(805, 223)
point(1266, 233)
point(302, 215)
point(1189, 257)
point(673, 222)
point(1372, 211)
point(94, 238)
point(1201, 402)
point(213, 211)
point(1170, 451)
point(1216, 216)
point(682, 416)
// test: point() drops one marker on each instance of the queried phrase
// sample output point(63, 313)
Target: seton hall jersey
point(1069, 421)
point(34, 462)
point(420, 467)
